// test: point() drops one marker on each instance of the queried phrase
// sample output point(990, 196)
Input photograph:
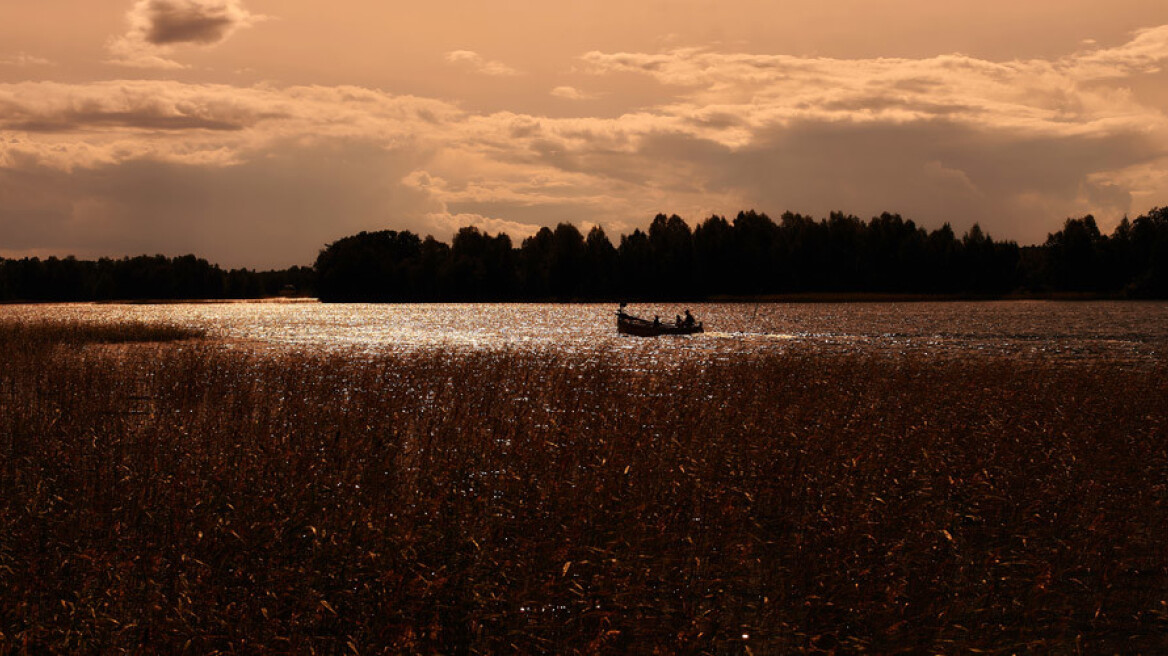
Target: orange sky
point(252, 132)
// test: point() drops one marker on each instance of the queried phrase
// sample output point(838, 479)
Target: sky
point(254, 132)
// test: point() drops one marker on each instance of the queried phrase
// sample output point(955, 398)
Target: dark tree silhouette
point(1148, 248)
point(429, 272)
point(565, 264)
point(1075, 253)
point(369, 266)
point(942, 251)
point(748, 257)
point(714, 256)
point(671, 248)
point(534, 258)
point(636, 266)
point(754, 237)
point(142, 278)
point(601, 266)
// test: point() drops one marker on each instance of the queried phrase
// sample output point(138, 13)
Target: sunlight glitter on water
point(1136, 331)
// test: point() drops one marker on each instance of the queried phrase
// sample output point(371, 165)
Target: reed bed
point(193, 497)
point(39, 334)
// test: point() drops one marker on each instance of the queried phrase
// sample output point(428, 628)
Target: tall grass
point(206, 499)
point(25, 334)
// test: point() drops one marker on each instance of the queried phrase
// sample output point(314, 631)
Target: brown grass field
point(165, 493)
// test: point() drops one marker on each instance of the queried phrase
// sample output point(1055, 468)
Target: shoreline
point(801, 297)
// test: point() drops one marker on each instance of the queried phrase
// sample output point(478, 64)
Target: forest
point(750, 256)
point(142, 278)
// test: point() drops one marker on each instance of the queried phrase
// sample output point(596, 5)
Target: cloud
point(1146, 53)
point(1016, 145)
point(571, 93)
point(448, 224)
point(146, 107)
point(157, 26)
point(67, 126)
point(204, 22)
point(273, 210)
point(1031, 94)
point(479, 64)
point(265, 175)
point(23, 59)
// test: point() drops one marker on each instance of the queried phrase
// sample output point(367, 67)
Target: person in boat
point(677, 320)
point(621, 310)
point(656, 321)
point(689, 319)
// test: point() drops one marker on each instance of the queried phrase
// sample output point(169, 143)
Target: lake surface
point(1134, 332)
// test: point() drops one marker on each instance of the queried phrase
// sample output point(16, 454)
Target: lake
point(1114, 330)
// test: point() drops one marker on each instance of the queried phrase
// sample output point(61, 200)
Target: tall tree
point(1073, 254)
point(671, 245)
point(601, 265)
point(566, 262)
point(636, 266)
point(754, 238)
point(714, 256)
point(534, 261)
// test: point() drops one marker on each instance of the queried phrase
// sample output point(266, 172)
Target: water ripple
point(1126, 331)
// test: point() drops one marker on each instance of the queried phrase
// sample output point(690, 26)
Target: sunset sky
point(253, 132)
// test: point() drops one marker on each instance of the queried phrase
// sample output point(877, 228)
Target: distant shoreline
point(879, 297)
point(173, 301)
point(804, 297)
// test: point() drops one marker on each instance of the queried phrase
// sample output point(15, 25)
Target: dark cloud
point(717, 120)
point(158, 25)
point(73, 121)
point(932, 172)
point(175, 21)
point(119, 106)
point(887, 102)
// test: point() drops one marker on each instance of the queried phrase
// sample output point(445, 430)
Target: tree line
point(142, 278)
point(751, 255)
point(748, 256)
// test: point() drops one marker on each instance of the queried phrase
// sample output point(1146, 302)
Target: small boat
point(627, 324)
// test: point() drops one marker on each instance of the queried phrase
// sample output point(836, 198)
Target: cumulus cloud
point(447, 223)
point(479, 64)
point(157, 26)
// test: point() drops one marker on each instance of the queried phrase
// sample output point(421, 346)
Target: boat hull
point(642, 328)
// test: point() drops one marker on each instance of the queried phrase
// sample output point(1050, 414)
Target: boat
point(627, 324)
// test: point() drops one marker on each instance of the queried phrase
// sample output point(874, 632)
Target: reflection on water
point(1128, 331)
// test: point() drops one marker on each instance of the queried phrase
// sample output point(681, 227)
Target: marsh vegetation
point(160, 489)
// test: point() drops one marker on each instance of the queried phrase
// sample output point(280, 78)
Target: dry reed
point(191, 497)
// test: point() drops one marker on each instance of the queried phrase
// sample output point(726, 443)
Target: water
point(1118, 331)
